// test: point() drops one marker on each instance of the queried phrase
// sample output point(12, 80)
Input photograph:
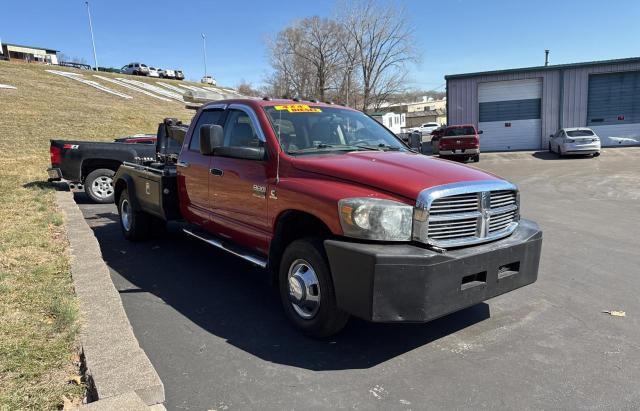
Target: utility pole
point(204, 52)
point(93, 43)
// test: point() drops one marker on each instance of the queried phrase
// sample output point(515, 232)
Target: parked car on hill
point(153, 72)
point(343, 217)
point(137, 69)
point(208, 80)
point(460, 141)
point(575, 140)
point(167, 73)
point(179, 75)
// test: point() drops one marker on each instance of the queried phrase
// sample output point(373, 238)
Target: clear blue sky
point(451, 36)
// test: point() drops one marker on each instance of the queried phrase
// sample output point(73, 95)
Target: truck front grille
point(466, 213)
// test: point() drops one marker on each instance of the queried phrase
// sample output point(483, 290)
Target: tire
point(476, 158)
point(304, 263)
point(99, 186)
point(559, 151)
point(135, 225)
point(596, 154)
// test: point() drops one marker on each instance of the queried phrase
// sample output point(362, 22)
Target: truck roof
point(268, 102)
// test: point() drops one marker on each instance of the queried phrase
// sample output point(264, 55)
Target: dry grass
point(38, 311)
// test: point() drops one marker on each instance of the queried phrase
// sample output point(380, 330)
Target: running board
point(209, 239)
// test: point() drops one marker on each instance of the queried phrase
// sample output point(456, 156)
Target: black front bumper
point(404, 282)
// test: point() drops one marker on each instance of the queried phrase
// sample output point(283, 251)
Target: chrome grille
point(466, 213)
point(502, 198)
point(455, 204)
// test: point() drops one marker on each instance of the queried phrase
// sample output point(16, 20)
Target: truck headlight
point(375, 219)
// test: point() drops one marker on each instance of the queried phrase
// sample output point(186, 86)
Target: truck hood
point(401, 173)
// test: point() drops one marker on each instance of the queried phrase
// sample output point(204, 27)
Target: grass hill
point(38, 331)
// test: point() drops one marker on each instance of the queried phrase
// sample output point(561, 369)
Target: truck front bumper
point(404, 282)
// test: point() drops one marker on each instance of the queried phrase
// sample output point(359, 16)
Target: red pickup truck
point(345, 218)
point(460, 141)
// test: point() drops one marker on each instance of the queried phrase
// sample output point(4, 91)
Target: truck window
point(239, 131)
point(207, 117)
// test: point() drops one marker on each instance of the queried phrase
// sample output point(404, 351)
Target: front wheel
point(306, 290)
point(476, 158)
point(135, 225)
point(99, 186)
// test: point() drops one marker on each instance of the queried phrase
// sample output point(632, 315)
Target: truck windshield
point(304, 129)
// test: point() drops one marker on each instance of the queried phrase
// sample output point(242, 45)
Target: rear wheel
point(135, 225)
point(99, 185)
point(307, 292)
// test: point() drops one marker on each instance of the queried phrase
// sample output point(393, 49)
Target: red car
point(460, 141)
point(343, 217)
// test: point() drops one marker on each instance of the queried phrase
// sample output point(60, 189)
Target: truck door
point(238, 187)
point(193, 171)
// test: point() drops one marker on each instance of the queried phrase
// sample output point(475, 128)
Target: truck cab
point(345, 218)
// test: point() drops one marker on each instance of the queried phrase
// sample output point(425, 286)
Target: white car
point(427, 128)
point(575, 140)
point(208, 80)
point(167, 73)
point(153, 72)
point(137, 69)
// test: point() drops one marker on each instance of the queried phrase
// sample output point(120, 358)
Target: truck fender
point(125, 181)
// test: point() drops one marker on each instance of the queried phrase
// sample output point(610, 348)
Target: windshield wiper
point(380, 147)
point(328, 147)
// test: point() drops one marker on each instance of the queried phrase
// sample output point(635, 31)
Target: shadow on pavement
point(232, 300)
point(548, 155)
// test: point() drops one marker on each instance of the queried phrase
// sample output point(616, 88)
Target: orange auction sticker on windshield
point(298, 108)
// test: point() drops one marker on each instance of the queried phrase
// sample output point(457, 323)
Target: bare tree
point(292, 72)
point(307, 55)
point(359, 58)
point(382, 43)
point(247, 89)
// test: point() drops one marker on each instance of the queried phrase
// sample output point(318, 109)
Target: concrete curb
point(115, 363)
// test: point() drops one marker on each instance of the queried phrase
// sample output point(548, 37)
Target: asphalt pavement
point(215, 333)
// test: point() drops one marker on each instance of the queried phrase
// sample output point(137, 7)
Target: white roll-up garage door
point(509, 115)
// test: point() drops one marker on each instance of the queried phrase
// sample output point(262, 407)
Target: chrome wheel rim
point(125, 214)
point(102, 187)
point(304, 289)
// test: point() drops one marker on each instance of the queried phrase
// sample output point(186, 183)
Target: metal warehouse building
point(518, 109)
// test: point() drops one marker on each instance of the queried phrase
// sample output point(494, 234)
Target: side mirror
point(480, 131)
point(211, 137)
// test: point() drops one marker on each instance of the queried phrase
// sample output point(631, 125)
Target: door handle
point(216, 172)
point(182, 164)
